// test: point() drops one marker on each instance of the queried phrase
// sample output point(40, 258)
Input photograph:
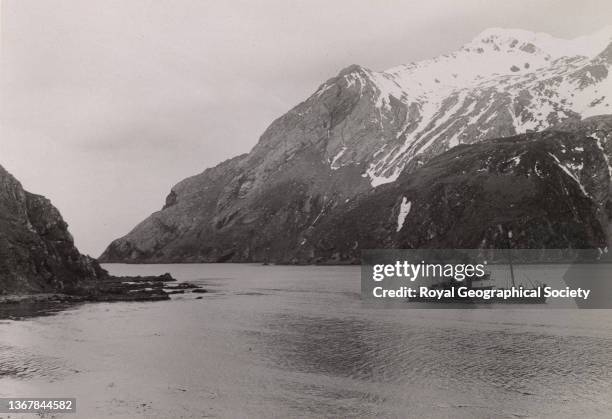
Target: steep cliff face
point(37, 253)
point(363, 129)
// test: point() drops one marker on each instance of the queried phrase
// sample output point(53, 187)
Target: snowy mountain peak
point(507, 40)
point(353, 68)
point(504, 82)
point(511, 38)
point(494, 52)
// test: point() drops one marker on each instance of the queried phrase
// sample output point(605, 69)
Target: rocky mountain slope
point(551, 189)
point(363, 129)
point(37, 254)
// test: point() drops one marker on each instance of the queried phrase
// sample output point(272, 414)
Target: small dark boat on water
point(484, 290)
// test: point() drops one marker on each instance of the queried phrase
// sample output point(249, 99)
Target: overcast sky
point(106, 104)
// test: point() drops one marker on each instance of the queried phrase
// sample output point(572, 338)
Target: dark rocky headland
point(39, 262)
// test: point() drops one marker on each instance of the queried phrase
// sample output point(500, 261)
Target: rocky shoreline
point(112, 289)
point(41, 266)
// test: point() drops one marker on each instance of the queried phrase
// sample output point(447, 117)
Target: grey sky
point(107, 104)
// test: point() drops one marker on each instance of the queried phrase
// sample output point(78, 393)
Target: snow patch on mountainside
point(603, 152)
point(403, 213)
point(336, 157)
point(570, 173)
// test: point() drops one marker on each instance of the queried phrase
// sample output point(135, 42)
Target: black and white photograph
point(305, 209)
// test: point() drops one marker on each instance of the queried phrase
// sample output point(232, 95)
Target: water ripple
point(19, 363)
point(559, 367)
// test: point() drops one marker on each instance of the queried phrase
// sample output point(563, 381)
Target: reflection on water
point(297, 341)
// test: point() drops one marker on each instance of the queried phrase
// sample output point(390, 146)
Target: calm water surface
point(274, 341)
